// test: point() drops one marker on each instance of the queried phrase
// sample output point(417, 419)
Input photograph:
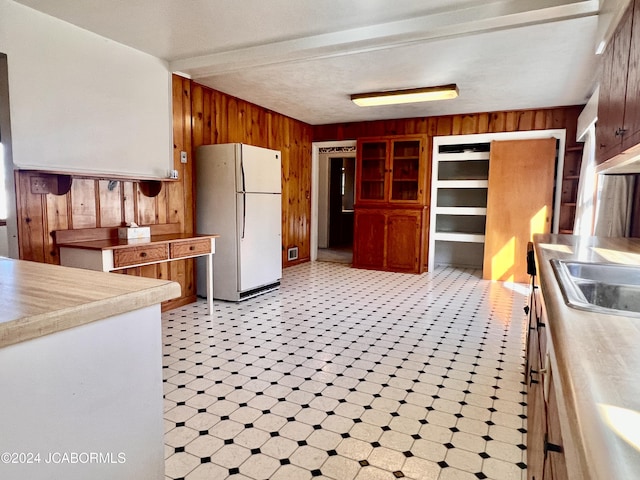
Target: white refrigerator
point(238, 196)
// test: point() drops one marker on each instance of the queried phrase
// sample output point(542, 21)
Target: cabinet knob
point(620, 131)
point(602, 145)
point(192, 248)
point(143, 254)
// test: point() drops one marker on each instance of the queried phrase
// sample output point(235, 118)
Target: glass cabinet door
point(372, 170)
point(405, 170)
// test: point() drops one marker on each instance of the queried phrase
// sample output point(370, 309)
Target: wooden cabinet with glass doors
point(391, 181)
point(391, 170)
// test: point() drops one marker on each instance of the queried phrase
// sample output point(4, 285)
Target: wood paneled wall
point(510, 121)
point(221, 118)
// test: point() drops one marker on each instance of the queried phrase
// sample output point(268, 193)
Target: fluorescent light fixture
point(393, 97)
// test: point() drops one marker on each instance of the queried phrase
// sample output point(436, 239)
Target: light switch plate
point(183, 157)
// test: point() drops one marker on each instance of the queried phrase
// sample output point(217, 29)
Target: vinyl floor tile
point(349, 374)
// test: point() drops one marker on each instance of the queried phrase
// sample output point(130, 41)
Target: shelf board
point(458, 237)
point(462, 184)
point(414, 180)
point(577, 148)
point(571, 177)
point(460, 210)
point(565, 231)
point(462, 157)
point(568, 204)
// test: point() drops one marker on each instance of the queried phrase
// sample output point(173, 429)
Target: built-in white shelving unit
point(459, 186)
point(459, 203)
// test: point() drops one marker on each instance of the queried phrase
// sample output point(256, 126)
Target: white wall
point(82, 103)
point(4, 245)
point(323, 200)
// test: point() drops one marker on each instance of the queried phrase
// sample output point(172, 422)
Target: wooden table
point(88, 248)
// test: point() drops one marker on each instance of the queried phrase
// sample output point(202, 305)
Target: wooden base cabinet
point(545, 455)
point(370, 227)
point(389, 239)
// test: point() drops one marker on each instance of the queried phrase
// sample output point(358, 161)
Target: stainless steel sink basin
point(600, 287)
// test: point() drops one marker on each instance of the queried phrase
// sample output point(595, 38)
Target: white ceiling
point(303, 58)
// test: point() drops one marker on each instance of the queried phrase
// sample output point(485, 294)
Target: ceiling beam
point(489, 17)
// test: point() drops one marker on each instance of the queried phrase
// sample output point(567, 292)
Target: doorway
point(341, 196)
point(332, 207)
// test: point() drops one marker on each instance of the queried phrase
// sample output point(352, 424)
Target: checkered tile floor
point(349, 374)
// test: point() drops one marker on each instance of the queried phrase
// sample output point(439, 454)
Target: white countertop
point(38, 299)
point(596, 364)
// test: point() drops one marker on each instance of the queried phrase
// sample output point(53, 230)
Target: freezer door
point(260, 239)
point(259, 170)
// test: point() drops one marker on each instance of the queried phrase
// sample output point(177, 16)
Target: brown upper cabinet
point(391, 170)
point(618, 127)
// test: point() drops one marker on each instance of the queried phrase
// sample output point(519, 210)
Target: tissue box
point(129, 233)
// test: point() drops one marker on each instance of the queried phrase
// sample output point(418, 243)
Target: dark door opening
point(341, 198)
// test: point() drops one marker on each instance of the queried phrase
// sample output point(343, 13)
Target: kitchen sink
point(600, 287)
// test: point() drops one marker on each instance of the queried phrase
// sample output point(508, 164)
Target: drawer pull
point(192, 248)
point(143, 254)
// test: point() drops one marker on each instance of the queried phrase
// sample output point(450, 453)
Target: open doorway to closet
point(335, 204)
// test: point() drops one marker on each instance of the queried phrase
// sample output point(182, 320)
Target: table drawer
point(190, 248)
point(124, 257)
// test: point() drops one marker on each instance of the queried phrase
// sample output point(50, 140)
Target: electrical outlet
point(40, 185)
point(183, 157)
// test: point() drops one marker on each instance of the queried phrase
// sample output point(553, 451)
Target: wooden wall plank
point(198, 116)
point(207, 129)
point(147, 214)
point(129, 203)
point(83, 203)
point(57, 219)
point(110, 204)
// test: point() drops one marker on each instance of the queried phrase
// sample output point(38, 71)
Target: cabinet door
point(369, 239)
point(407, 171)
point(631, 135)
point(613, 90)
point(403, 241)
point(606, 121)
point(555, 459)
point(536, 410)
point(372, 171)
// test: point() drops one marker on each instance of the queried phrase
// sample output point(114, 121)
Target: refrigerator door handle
point(244, 214)
point(244, 188)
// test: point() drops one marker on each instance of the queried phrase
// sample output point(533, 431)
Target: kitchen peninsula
point(81, 373)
